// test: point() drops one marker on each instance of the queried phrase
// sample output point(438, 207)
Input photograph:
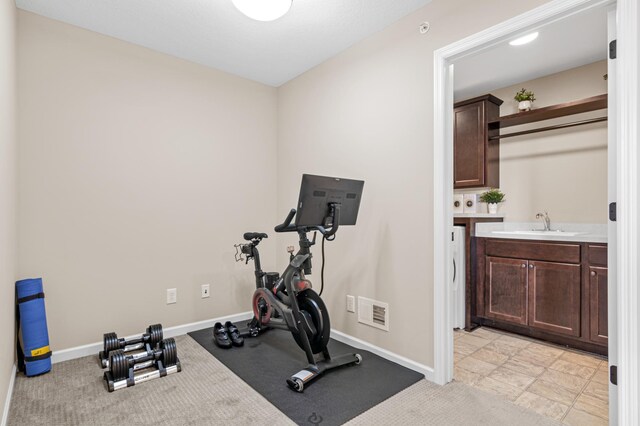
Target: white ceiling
point(214, 33)
point(574, 41)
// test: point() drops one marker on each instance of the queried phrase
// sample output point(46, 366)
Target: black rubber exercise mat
point(265, 362)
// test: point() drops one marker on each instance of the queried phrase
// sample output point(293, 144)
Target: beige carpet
point(207, 393)
point(454, 404)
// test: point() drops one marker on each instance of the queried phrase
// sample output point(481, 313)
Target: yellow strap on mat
point(40, 351)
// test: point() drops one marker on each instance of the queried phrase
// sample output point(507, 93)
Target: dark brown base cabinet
point(596, 275)
point(555, 291)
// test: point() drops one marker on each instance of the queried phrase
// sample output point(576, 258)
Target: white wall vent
point(373, 313)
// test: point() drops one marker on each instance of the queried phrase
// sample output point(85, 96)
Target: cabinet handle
point(593, 273)
point(530, 266)
point(524, 265)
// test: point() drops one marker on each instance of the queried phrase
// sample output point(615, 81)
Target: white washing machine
point(458, 282)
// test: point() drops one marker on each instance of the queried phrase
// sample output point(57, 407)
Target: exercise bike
point(288, 302)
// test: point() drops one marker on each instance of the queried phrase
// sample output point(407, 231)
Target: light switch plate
point(172, 296)
point(351, 304)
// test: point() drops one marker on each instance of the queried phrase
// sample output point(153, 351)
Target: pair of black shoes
point(227, 335)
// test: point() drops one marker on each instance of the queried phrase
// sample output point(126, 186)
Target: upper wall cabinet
point(476, 162)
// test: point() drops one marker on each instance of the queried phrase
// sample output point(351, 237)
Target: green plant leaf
point(492, 196)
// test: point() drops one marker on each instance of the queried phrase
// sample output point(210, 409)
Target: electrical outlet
point(351, 304)
point(172, 296)
point(204, 290)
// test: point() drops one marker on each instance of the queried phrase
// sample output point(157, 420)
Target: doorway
point(444, 59)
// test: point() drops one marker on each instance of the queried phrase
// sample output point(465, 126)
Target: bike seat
point(254, 236)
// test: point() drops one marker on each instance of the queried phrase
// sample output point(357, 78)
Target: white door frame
point(628, 185)
point(627, 109)
point(612, 228)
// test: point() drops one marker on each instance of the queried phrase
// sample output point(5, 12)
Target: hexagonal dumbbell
point(112, 342)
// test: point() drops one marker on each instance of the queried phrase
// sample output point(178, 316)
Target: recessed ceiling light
point(524, 39)
point(263, 10)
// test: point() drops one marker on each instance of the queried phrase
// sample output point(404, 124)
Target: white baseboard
point(7, 401)
point(398, 359)
point(94, 348)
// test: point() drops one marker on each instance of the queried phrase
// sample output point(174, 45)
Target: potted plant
point(525, 98)
point(492, 197)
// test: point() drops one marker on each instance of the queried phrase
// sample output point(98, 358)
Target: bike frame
point(291, 318)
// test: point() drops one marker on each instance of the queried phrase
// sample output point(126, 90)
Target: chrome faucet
point(545, 220)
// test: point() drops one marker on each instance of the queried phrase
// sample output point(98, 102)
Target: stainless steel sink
point(557, 233)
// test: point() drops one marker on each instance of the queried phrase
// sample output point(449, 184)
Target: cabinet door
point(554, 297)
point(598, 321)
point(506, 289)
point(469, 146)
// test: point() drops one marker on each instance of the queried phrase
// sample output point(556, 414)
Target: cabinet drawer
point(565, 253)
point(597, 255)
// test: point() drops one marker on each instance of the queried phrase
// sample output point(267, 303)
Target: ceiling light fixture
point(263, 10)
point(524, 39)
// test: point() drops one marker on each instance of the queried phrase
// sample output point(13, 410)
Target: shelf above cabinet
point(593, 103)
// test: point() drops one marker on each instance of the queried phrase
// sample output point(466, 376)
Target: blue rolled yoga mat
point(34, 354)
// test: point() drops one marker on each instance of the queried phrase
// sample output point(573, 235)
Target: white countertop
point(574, 232)
point(483, 215)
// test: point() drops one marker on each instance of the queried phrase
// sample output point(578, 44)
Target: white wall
point(134, 171)
point(137, 173)
point(561, 171)
point(7, 193)
point(367, 113)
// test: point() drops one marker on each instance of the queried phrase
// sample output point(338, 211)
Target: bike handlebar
point(286, 225)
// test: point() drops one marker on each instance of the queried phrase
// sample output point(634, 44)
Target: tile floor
point(564, 384)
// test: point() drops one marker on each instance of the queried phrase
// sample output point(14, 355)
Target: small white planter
point(493, 208)
point(524, 105)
